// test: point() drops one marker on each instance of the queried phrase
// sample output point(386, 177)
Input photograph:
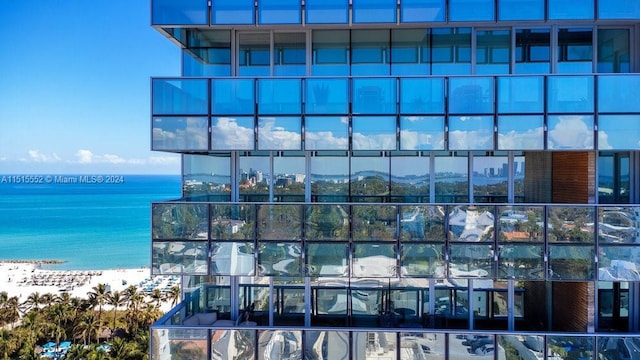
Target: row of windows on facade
point(243, 12)
point(436, 51)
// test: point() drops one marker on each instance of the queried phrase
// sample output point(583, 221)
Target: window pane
point(421, 96)
point(410, 52)
point(180, 96)
point(619, 93)
point(521, 132)
point(614, 51)
point(279, 259)
point(471, 10)
point(180, 221)
point(327, 96)
point(451, 179)
point(521, 261)
point(471, 95)
point(567, 132)
point(493, 51)
point(369, 178)
point(288, 180)
point(618, 263)
point(522, 94)
point(239, 342)
point(327, 11)
point(571, 262)
point(574, 346)
point(374, 133)
point(575, 50)
point(422, 223)
point(570, 94)
point(618, 9)
point(330, 53)
point(374, 11)
point(206, 175)
point(180, 133)
point(410, 179)
point(279, 96)
point(233, 222)
point(373, 222)
point(327, 259)
point(421, 133)
point(618, 225)
point(255, 173)
point(326, 133)
point(232, 133)
point(471, 223)
point(232, 258)
point(470, 261)
point(233, 96)
point(570, 9)
point(423, 260)
point(533, 51)
point(470, 132)
point(279, 133)
point(289, 54)
point(572, 224)
point(374, 260)
point(206, 62)
point(490, 179)
point(370, 52)
point(521, 9)
point(327, 222)
point(422, 11)
point(232, 12)
point(329, 178)
point(451, 51)
point(619, 132)
point(279, 12)
point(280, 222)
point(520, 224)
point(185, 12)
point(374, 96)
point(179, 257)
point(253, 53)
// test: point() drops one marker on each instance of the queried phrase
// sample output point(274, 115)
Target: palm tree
point(8, 344)
point(10, 310)
point(157, 297)
point(116, 300)
point(33, 302)
point(121, 349)
point(174, 295)
point(32, 325)
point(77, 351)
point(48, 299)
point(99, 297)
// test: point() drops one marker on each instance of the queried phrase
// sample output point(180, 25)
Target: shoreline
point(34, 262)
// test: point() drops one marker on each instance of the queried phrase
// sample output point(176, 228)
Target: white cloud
point(470, 140)
point(325, 140)
point(373, 142)
point(164, 160)
point(571, 132)
point(227, 134)
point(414, 140)
point(38, 157)
point(529, 139)
point(273, 137)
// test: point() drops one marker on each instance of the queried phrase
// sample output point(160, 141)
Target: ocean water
point(89, 223)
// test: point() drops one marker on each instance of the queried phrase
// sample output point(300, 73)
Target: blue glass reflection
point(421, 133)
point(370, 52)
point(374, 96)
point(279, 12)
point(570, 132)
point(619, 93)
point(327, 11)
point(521, 94)
point(232, 12)
point(279, 133)
point(471, 10)
point(184, 12)
point(206, 62)
point(180, 133)
point(180, 96)
point(232, 133)
point(326, 133)
point(570, 94)
point(374, 11)
point(421, 96)
point(330, 54)
point(521, 132)
point(620, 132)
point(470, 132)
point(326, 96)
point(471, 95)
point(279, 96)
point(521, 9)
point(570, 9)
point(232, 96)
point(618, 9)
point(422, 10)
point(374, 133)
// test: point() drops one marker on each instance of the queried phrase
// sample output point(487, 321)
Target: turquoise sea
point(89, 223)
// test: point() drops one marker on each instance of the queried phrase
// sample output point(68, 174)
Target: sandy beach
point(24, 278)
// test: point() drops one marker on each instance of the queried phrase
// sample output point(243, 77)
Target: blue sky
point(74, 87)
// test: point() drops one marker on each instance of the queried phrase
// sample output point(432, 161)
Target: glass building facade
point(401, 179)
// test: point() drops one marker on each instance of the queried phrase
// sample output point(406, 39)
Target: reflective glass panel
point(613, 179)
point(421, 133)
point(369, 178)
point(423, 260)
point(232, 222)
point(571, 262)
point(288, 177)
point(410, 179)
point(361, 350)
point(329, 178)
point(326, 133)
point(279, 96)
point(206, 175)
point(255, 177)
point(570, 94)
point(422, 11)
point(374, 11)
point(524, 132)
point(254, 53)
point(618, 9)
point(238, 344)
point(490, 178)
point(619, 93)
point(370, 52)
point(279, 12)
point(464, 346)
point(493, 51)
point(327, 11)
point(613, 51)
point(471, 10)
point(373, 222)
point(206, 62)
point(279, 344)
point(335, 342)
point(327, 259)
point(471, 223)
point(187, 12)
point(422, 96)
point(619, 132)
point(330, 53)
point(180, 96)
point(570, 9)
point(289, 54)
point(520, 261)
point(575, 50)
point(533, 51)
point(232, 258)
point(280, 222)
point(518, 176)
point(327, 222)
point(279, 133)
point(521, 94)
point(521, 347)
point(422, 223)
point(619, 263)
point(470, 261)
point(374, 96)
point(451, 179)
point(451, 51)
point(232, 12)
point(279, 259)
point(374, 260)
point(521, 9)
point(470, 132)
point(570, 132)
point(326, 96)
point(374, 133)
point(571, 347)
point(178, 257)
point(520, 224)
point(233, 96)
point(570, 224)
point(471, 95)
point(618, 225)
point(419, 345)
point(179, 133)
point(232, 133)
point(410, 52)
